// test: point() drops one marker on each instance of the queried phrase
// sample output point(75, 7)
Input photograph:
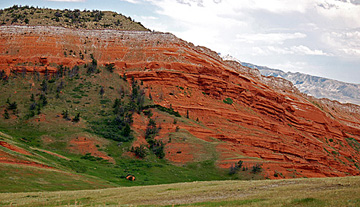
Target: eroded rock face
point(269, 121)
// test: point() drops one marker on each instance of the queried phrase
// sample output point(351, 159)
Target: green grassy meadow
point(315, 192)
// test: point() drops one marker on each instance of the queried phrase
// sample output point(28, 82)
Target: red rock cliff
point(269, 121)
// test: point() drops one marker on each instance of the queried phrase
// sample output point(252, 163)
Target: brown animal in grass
point(130, 177)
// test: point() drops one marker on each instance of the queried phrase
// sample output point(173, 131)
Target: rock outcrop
point(269, 122)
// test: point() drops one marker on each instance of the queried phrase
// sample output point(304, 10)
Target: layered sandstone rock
point(269, 121)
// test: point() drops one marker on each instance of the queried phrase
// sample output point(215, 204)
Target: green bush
point(11, 105)
point(235, 168)
point(105, 101)
point(256, 168)
point(6, 114)
point(76, 118)
point(228, 101)
point(88, 156)
point(164, 109)
point(110, 67)
point(157, 147)
point(140, 151)
point(113, 128)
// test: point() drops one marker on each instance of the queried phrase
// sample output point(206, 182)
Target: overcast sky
point(318, 37)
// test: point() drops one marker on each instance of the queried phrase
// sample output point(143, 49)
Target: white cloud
point(303, 50)
point(269, 38)
point(341, 13)
point(344, 43)
point(294, 50)
point(266, 31)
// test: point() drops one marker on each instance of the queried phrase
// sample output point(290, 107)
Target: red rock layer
point(14, 148)
point(8, 158)
point(269, 122)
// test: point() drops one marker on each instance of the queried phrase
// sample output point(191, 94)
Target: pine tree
point(102, 91)
point(32, 98)
point(65, 114)
point(76, 118)
point(150, 97)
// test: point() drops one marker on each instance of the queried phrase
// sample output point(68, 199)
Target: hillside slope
point(228, 112)
point(318, 87)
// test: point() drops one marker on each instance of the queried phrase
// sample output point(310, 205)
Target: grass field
point(293, 192)
point(20, 178)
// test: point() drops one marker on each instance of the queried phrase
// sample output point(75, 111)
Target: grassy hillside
point(22, 178)
point(294, 192)
point(25, 15)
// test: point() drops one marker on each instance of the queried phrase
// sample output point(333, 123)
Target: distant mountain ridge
point(318, 87)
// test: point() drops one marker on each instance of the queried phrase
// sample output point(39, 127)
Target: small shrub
point(43, 100)
point(88, 156)
point(140, 151)
point(256, 168)
point(157, 147)
point(11, 105)
point(235, 168)
point(110, 67)
point(32, 98)
point(164, 109)
point(102, 91)
point(228, 101)
point(148, 113)
point(6, 114)
point(65, 114)
point(76, 118)
point(105, 101)
point(124, 77)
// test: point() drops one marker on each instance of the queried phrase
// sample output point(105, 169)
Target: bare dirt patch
point(84, 145)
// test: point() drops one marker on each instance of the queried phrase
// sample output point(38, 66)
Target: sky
point(317, 37)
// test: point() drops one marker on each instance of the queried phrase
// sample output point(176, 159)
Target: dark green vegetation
point(25, 15)
point(228, 101)
point(48, 111)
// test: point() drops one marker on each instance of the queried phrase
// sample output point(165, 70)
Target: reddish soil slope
point(8, 158)
point(85, 145)
point(14, 148)
point(269, 121)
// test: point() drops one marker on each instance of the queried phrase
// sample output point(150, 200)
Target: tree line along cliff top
point(86, 19)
